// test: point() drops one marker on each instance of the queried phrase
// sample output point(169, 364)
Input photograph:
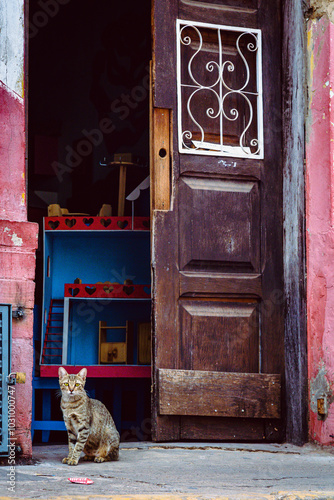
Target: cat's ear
point(62, 372)
point(83, 374)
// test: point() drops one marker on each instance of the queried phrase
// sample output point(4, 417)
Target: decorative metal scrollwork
point(219, 90)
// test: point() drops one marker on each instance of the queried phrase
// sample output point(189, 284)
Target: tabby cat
point(89, 425)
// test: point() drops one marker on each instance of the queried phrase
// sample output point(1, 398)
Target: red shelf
point(100, 371)
point(107, 291)
point(87, 223)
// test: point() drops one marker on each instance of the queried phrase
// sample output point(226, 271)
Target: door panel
point(219, 225)
point(220, 336)
point(218, 323)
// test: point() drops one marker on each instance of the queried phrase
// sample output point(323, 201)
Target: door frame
point(294, 253)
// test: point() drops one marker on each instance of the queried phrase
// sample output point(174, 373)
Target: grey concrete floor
point(182, 470)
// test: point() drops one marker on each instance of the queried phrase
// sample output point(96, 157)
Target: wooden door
point(216, 189)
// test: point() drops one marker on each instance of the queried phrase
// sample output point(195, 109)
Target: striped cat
point(89, 425)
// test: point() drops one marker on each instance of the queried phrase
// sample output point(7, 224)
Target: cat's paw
point(72, 461)
point(100, 459)
point(65, 460)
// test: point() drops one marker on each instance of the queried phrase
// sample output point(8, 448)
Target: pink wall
point(12, 174)
point(320, 224)
point(18, 242)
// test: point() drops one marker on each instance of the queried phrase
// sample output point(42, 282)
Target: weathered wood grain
point(222, 428)
point(245, 12)
point(220, 241)
point(219, 225)
point(161, 157)
point(294, 221)
point(190, 392)
point(221, 167)
point(218, 335)
point(164, 14)
point(165, 318)
point(220, 284)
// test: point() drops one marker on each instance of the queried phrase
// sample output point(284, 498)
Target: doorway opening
point(88, 152)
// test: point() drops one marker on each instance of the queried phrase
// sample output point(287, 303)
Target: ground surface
point(180, 471)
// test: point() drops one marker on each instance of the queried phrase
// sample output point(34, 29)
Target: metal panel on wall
point(5, 364)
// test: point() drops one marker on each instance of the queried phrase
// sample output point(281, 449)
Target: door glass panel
point(219, 90)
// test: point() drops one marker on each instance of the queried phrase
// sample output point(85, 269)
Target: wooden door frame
point(293, 116)
point(294, 255)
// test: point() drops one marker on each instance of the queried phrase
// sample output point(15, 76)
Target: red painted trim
point(87, 223)
point(100, 371)
point(107, 291)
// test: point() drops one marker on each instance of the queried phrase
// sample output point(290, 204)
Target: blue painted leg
point(46, 413)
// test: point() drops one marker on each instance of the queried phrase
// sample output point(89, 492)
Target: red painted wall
point(18, 242)
point(320, 225)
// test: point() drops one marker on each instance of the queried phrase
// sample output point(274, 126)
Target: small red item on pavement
point(80, 480)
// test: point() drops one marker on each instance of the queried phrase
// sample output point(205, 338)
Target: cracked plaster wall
point(320, 214)
point(18, 238)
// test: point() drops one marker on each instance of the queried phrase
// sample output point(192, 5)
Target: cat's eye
point(77, 385)
point(66, 383)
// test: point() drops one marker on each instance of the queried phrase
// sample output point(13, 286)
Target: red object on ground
point(80, 480)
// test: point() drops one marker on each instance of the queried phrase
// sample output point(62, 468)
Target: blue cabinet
point(111, 268)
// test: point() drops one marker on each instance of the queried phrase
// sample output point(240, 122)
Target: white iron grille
point(219, 85)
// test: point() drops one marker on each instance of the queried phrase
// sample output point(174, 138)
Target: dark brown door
point(216, 183)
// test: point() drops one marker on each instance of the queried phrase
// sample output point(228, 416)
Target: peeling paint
point(319, 388)
point(323, 8)
point(13, 94)
point(12, 45)
point(320, 224)
point(17, 241)
point(311, 61)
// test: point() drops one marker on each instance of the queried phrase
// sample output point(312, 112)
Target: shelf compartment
point(87, 223)
point(106, 291)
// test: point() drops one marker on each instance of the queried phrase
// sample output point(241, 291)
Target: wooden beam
point(294, 221)
point(121, 190)
point(202, 393)
point(160, 159)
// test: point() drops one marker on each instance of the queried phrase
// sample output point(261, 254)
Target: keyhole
point(162, 153)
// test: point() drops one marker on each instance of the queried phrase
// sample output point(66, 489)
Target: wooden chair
point(115, 352)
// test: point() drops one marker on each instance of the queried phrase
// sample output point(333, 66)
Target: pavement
point(178, 471)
